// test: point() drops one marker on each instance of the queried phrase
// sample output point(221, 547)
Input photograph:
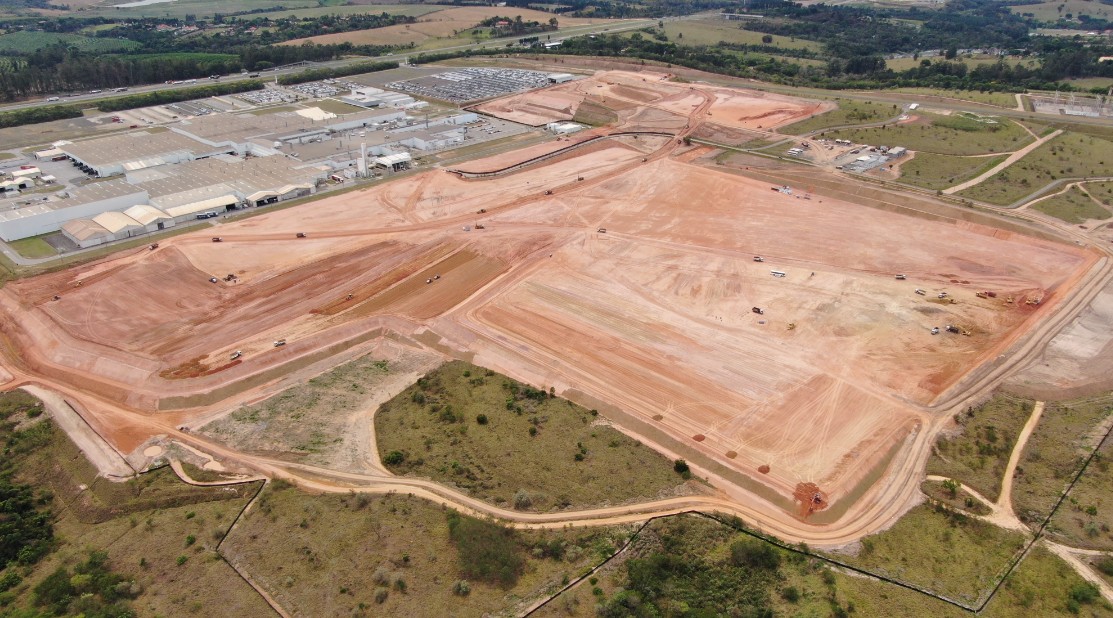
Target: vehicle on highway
point(52, 99)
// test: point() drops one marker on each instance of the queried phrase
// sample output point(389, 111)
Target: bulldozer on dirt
point(791, 326)
point(230, 277)
point(153, 246)
point(480, 226)
point(1035, 300)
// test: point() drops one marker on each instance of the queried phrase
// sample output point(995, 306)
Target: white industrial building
point(156, 198)
point(563, 128)
point(116, 154)
point(560, 78)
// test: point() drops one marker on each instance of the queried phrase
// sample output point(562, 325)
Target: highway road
point(401, 58)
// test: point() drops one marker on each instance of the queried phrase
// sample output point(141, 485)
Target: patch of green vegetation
point(345, 554)
point(337, 107)
point(1000, 99)
point(947, 552)
point(951, 493)
point(92, 590)
point(712, 32)
point(1070, 155)
point(487, 551)
point(1072, 206)
point(26, 41)
point(977, 453)
point(34, 247)
point(1066, 434)
point(932, 171)
point(849, 112)
point(950, 135)
point(534, 452)
point(1044, 585)
point(1085, 519)
point(7, 155)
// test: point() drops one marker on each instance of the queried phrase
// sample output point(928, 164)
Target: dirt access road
point(837, 381)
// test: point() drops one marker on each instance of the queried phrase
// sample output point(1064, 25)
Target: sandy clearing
point(108, 462)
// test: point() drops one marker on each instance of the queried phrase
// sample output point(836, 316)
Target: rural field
point(944, 134)
point(25, 42)
point(1074, 205)
point(439, 24)
point(934, 171)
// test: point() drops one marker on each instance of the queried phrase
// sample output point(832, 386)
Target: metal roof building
point(116, 154)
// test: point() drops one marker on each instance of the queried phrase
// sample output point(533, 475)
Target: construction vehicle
point(758, 258)
point(1009, 300)
point(435, 277)
point(300, 235)
point(644, 159)
point(548, 191)
point(153, 246)
point(481, 211)
point(942, 295)
point(777, 273)
point(602, 230)
point(279, 343)
point(951, 328)
point(213, 280)
point(935, 330)
point(1033, 301)
point(991, 294)
point(56, 297)
point(981, 295)
point(428, 281)
point(921, 292)
point(758, 310)
point(350, 297)
point(236, 354)
point(580, 178)
point(480, 226)
point(217, 239)
point(791, 326)
point(901, 277)
point(230, 277)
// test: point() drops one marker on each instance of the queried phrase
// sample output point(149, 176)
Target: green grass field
point(949, 553)
point(1000, 99)
point(977, 453)
point(849, 112)
point(949, 135)
point(34, 247)
point(1051, 11)
point(1043, 585)
point(344, 555)
point(1066, 434)
point(1071, 155)
point(903, 64)
point(25, 42)
point(1085, 519)
point(712, 32)
point(337, 107)
point(932, 171)
point(1074, 206)
point(510, 444)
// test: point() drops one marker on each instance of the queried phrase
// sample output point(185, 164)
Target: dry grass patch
point(1072, 206)
point(360, 555)
point(848, 112)
point(949, 135)
point(933, 171)
point(1070, 155)
point(1085, 519)
point(1067, 433)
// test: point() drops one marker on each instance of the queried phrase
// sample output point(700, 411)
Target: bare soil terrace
point(653, 316)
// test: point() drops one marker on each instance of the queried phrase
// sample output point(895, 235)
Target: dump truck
point(481, 211)
point(153, 246)
point(213, 280)
point(236, 354)
point(758, 258)
point(901, 277)
point(217, 239)
point(981, 295)
point(921, 292)
point(279, 343)
point(300, 235)
point(758, 310)
point(548, 191)
point(480, 226)
point(602, 230)
point(951, 328)
point(935, 330)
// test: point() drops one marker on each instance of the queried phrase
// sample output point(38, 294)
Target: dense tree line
point(314, 75)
